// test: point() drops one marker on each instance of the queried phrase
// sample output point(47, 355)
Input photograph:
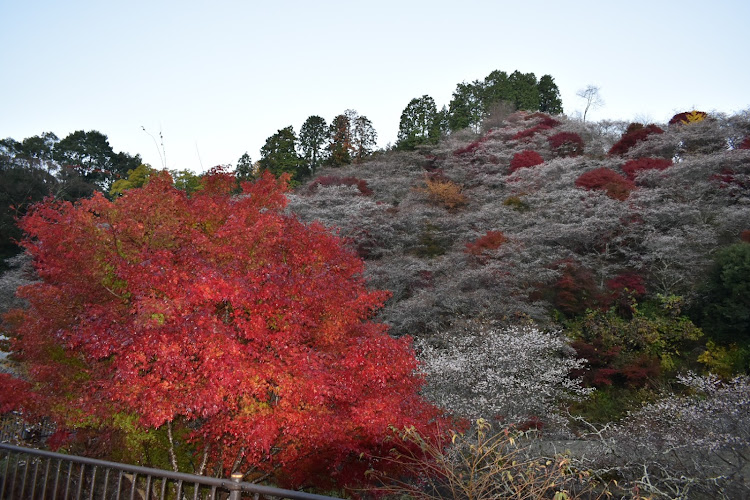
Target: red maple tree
point(218, 315)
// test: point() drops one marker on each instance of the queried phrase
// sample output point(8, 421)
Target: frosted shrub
point(517, 374)
point(19, 273)
point(363, 221)
point(689, 446)
point(715, 416)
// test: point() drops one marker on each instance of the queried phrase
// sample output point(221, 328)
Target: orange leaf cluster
point(445, 192)
point(490, 241)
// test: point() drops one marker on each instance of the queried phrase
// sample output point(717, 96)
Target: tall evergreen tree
point(37, 150)
point(467, 106)
point(90, 156)
point(244, 170)
point(313, 137)
point(726, 302)
point(497, 88)
point(364, 138)
point(442, 124)
point(279, 154)
point(20, 187)
point(549, 96)
point(340, 142)
point(419, 123)
point(524, 91)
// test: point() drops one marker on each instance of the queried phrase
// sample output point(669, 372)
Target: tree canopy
point(279, 154)
point(217, 317)
point(340, 145)
point(313, 138)
point(472, 102)
point(364, 138)
point(419, 123)
point(90, 156)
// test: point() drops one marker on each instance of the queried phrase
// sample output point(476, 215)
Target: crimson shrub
point(635, 133)
point(566, 144)
point(525, 159)
point(605, 179)
point(633, 167)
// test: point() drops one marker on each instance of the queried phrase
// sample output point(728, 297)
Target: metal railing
point(27, 473)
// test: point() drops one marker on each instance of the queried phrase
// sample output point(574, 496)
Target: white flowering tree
point(19, 273)
point(693, 445)
point(515, 374)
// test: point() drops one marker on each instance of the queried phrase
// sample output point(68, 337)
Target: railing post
point(235, 493)
point(18, 463)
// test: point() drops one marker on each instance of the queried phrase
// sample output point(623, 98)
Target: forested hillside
point(539, 276)
point(629, 241)
point(542, 218)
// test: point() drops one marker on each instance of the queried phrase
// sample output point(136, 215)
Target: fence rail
point(27, 473)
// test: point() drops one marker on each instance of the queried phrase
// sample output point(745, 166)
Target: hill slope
point(654, 218)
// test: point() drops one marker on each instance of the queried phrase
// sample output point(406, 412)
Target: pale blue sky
point(218, 77)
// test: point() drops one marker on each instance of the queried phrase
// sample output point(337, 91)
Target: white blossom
point(510, 374)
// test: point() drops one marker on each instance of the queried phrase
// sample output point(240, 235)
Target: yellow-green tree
point(137, 177)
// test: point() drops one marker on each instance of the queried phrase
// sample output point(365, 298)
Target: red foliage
point(605, 179)
point(635, 133)
point(58, 439)
point(546, 122)
point(473, 146)
point(745, 144)
point(544, 119)
point(490, 241)
point(633, 167)
point(575, 290)
point(566, 144)
point(219, 314)
point(641, 371)
point(525, 159)
point(332, 180)
point(14, 393)
point(623, 289)
point(531, 132)
point(607, 367)
point(627, 282)
point(533, 422)
point(735, 182)
point(599, 361)
point(603, 377)
point(745, 235)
